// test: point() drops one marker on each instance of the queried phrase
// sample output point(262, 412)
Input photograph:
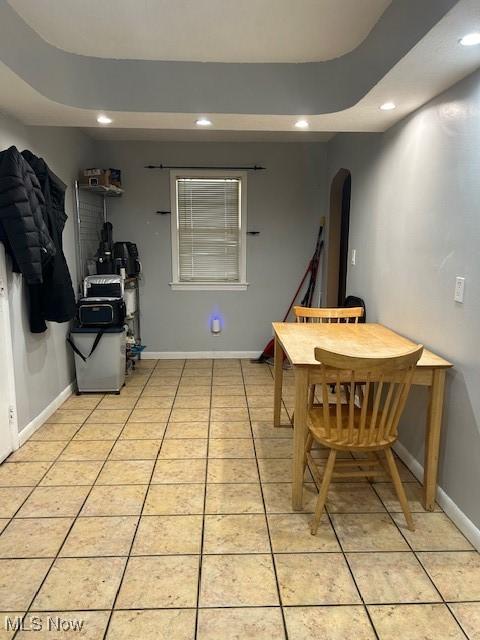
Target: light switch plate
point(459, 289)
point(354, 256)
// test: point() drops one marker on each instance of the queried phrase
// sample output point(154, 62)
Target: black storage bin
point(101, 312)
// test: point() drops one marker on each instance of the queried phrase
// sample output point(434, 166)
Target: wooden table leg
point(432, 438)
point(277, 389)
point(299, 435)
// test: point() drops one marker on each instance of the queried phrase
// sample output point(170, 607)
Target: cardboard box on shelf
point(94, 177)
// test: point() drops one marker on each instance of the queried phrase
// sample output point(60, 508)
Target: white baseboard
point(463, 522)
point(181, 355)
point(43, 416)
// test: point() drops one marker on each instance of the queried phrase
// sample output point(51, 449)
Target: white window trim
point(176, 285)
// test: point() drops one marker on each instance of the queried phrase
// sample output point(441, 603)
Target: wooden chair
point(328, 315)
point(369, 429)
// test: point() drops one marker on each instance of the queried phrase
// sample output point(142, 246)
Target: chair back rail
point(328, 315)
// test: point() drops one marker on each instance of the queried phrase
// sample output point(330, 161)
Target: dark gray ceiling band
point(209, 87)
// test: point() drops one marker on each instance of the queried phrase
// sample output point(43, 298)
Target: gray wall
point(415, 224)
point(43, 367)
point(284, 203)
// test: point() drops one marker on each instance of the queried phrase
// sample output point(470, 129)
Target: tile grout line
point(272, 555)
point(120, 583)
point(202, 535)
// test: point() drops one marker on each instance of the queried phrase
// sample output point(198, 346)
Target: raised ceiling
point(410, 55)
point(204, 30)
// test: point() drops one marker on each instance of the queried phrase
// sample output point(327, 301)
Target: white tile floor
point(165, 513)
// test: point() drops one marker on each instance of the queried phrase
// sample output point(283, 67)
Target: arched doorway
point(337, 247)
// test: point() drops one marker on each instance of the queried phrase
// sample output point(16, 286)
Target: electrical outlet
point(354, 256)
point(459, 289)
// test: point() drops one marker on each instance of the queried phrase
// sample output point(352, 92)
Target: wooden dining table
point(297, 342)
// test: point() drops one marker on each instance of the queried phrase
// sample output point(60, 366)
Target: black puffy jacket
point(54, 299)
point(22, 226)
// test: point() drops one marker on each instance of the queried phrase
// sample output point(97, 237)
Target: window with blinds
point(209, 230)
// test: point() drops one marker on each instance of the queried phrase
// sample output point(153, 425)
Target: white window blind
point(209, 229)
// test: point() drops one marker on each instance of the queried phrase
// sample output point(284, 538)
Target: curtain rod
point(255, 167)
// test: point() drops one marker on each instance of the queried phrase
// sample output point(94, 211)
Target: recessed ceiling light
point(103, 119)
point(388, 106)
point(301, 124)
point(470, 39)
point(203, 122)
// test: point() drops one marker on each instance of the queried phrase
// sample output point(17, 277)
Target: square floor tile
point(126, 472)
point(187, 430)
point(192, 402)
point(87, 450)
point(135, 450)
point(353, 498)
point(389, 498)
point(274, 447)
point(93, 625)
point(190, 415)
point(100, 536)
point(26, 575)
point(221, 429)
point(315, 578)
point(278, 470)
point(414, 621)
point(72, 473)
point(244, 533)
point(106, 431)
point(117, 402)
point(232, 414)
point(174, 499)
point(55, 432)
point(278, 497)
point(154, 391)
point(225, 402)
point(54, 501)
point(230, 448)
point(184, 448)
point(368, 532)
point(234, 498)
point(38, 451)
point(149, 415)
point(433, 532)
point(143, 431)
point(160, 624)
point(33, 537)
point(11, 498)
point(159, 582)
point(114, 500)
point(261, 623)
point(89, 401)
point(80, 583)
point(238, 580)
point(179, 471)
point(116, 416)
point(70, 415)
point(229, 390)
point(228, 470)
point(267, 430)
point(455, 574)
point(155, 403)
point(165, 535)
point(468, 615)
point(290, 533)
point(328, 623)
point(390, 578)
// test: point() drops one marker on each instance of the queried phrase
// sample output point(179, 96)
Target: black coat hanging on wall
point(54, 298)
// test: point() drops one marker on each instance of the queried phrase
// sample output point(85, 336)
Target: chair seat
point(340, 439)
